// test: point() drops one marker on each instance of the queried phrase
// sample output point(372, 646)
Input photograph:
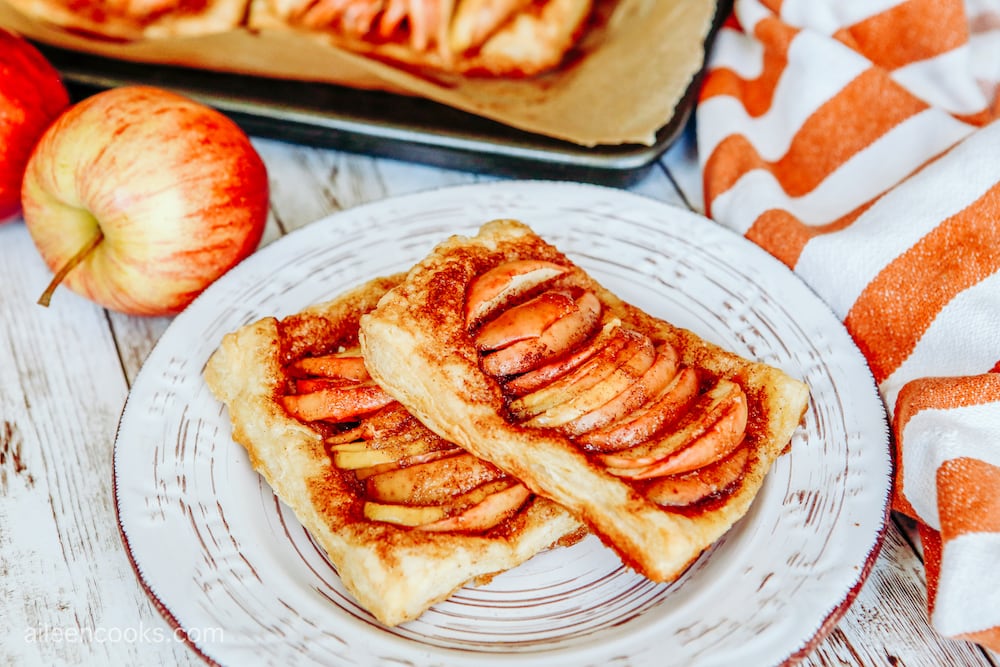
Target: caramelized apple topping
point(142, 11)
point(425, 24)
point(566, 365)
point(407, 475)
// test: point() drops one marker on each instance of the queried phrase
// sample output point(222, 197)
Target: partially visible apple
point(138, 198)
point(31, 96)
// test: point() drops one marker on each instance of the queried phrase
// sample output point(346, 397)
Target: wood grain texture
point(70, 596)
point(65, 576)
point(874, 632)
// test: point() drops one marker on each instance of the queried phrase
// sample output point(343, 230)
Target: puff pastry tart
point(138, 19)
point(656, 439)
point(494, 37)
point(405, 516)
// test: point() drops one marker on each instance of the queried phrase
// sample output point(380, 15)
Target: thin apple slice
point(393, 419)
point(637, 393)
point(415, 515)
point(404, 515)
point(337, 365)
point(414, 431)
point(392, 17)
point(409, 440)
point(350, 435)
point(720, 438)
point(694, 486)
point(364, 459)
point(311, 384)
point(704, 412)
point(364, 473)
point(354, 446)
point(475, 21)
point(649, 419)
point(336, 404)
point(724, 436)
point(402, 438)
point(431, 483)
point(621, 344)
point(505, 281)
point(488, 513)
point(347, 457)
point(617, 381)
point(526, 320)
point(563, 335)
point(548, 373)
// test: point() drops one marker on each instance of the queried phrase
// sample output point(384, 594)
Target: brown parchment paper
point(618, 86)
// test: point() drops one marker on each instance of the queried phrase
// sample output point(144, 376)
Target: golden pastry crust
point(533, 38)
point(512, 38)
point(418, 347)
point(394, 572)
point(138, 19)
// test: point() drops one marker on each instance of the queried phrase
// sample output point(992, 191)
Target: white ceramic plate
point(231, 566)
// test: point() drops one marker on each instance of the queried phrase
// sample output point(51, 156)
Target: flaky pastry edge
point(396, 573)
point(416, 348)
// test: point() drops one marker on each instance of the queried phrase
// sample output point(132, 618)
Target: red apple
point(139, 198)
point(31, 96)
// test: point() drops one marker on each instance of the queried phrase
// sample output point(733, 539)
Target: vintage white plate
point(231, 566)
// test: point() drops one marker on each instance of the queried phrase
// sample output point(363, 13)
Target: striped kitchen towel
point(856, 141)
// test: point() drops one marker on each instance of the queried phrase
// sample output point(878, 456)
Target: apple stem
point(80, 255)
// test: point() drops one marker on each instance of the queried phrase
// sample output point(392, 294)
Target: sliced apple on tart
point(411, 476)
point(656, 439)
point(406, 516)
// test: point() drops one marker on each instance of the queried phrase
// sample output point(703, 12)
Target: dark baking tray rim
point(383, 124)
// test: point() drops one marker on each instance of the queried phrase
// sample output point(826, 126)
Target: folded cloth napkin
point(855, 141)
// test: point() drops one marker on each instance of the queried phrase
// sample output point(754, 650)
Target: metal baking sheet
point(379, 123)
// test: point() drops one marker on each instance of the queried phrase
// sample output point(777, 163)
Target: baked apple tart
point(484, 37)
point(654, 438)
point(138, 19)
point(406, 516)
point(492, 37)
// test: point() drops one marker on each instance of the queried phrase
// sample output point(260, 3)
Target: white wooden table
point(65, 372)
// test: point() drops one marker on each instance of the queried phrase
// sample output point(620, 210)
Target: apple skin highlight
point(176, 188)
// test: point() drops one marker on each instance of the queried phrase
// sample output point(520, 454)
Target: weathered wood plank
point(310, 183)
point(66, 580)
point(887, 623)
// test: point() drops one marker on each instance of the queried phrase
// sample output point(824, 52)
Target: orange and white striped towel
point(856, 141)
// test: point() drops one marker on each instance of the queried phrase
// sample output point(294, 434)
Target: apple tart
point(138, 19)
point(654, 438)
point(491, 37)
point(405, 516)
point(484, 37)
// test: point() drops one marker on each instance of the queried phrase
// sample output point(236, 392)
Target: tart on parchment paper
point(138, 19)
point(505, 37)
point(500, 38)
point(630, 47)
